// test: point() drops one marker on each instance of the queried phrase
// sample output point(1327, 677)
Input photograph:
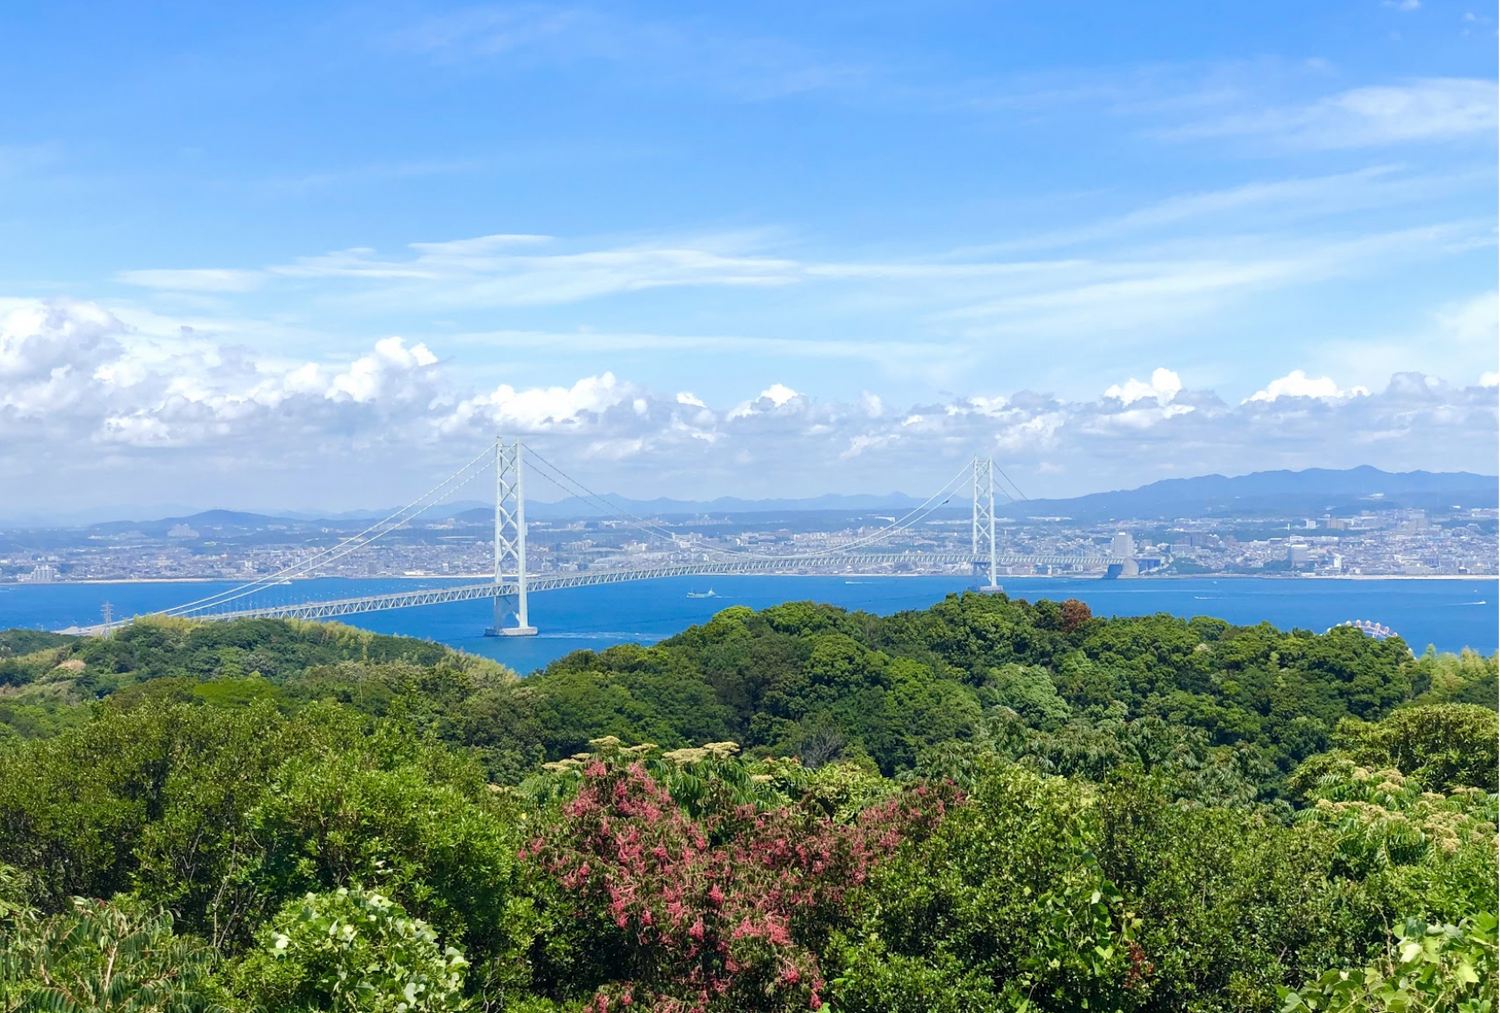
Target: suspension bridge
point(512, 582)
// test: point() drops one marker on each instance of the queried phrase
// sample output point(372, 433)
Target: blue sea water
point(1450, 614)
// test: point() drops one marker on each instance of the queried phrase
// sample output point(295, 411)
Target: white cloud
point(1489, 379)
point(144, 418)
point(543, 408)
point(1299, 384)
point(77, 373)
point(779, 394)
point(369, 376)
point(1402, 5)
point(1163, 387)
point(867, 441)
point(40, 341)
point(771, 400)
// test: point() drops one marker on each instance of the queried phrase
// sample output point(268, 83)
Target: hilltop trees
point(986, 805)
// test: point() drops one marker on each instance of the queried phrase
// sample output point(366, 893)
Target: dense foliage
point(987, 805)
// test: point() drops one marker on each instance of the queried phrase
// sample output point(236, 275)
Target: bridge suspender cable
point(575, 488)
point(353, 543)
point(916, 514)
point(578, 490)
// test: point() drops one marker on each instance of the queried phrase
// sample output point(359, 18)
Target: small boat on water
point(702, 594)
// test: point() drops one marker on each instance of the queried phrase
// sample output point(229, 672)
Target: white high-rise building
point(1122, 545)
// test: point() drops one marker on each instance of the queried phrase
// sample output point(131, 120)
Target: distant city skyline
point(310, 257)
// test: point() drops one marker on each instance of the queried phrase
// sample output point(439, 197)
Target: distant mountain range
point(662, 507)
point(1312, 492)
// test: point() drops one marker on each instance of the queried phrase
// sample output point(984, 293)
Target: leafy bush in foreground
point(1427, 968)
point(105, 957)
point(351, 950)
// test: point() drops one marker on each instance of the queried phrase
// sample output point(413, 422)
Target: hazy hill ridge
point(1310, 492)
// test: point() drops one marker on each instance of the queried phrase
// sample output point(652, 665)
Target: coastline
point(1422, 612)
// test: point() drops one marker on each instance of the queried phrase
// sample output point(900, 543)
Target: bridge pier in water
point(510, 619)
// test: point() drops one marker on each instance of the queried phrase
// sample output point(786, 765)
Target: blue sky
point(309, 254)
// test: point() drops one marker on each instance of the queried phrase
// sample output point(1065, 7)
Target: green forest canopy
point(986, 805)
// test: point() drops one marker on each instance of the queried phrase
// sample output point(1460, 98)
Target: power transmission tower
point(510, 540)
point(983, 523)
point(109, 620)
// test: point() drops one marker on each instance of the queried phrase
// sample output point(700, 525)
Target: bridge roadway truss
point(541, 582)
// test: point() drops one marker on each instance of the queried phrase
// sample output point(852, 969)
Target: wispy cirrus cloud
point(195, 279)
point(1192, 281)
point(504, 270)
point(1113, 288)
point(1263, 204)
point(655, 51)
point(1188, 99)
point(1421, 110)
point(944, 297)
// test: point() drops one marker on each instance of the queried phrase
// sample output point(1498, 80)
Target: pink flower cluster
point(718, 913)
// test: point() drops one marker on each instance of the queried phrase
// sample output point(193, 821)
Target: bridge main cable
point(351, 544)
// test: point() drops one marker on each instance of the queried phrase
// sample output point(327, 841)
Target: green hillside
point(987, 805)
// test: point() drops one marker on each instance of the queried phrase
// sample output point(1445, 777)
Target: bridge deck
point(552, 582)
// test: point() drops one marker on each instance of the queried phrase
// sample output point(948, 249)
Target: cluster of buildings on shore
point(1387, 543)
point(1369, 543)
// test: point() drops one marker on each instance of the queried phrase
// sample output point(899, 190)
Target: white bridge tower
point(983, 525)
point(510, 541)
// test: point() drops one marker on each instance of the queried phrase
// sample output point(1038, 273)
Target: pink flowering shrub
point(687, 916)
